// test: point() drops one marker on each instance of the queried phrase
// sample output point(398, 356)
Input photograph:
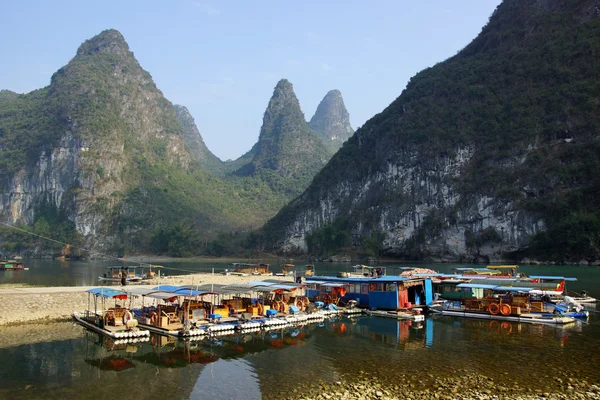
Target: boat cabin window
point(382, 287)
point(354, 288)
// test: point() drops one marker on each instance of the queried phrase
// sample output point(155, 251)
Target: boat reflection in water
point(108, 354)
point(405, 334)
point(170, 352)
point(67, 362)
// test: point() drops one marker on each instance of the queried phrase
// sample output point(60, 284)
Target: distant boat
point(114, 274)
point(13, 265)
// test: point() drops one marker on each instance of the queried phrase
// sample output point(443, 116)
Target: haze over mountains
point(101, 156)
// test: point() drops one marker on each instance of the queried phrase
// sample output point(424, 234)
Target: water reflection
point(281, 363)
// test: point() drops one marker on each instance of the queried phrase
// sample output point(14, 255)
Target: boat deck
point(528, 317)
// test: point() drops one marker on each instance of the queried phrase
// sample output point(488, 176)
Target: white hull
point(586, 300)
point(396, 315)
point(140, 334)
point(534, 319)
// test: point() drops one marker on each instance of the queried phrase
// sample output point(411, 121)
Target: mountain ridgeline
point(288, 154)
point(491, 154)
point(101, 159)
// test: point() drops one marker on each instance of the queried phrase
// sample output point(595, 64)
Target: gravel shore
point(44, 304)
point(468, 386)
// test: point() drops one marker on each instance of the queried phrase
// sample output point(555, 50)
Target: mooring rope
point(108, 256)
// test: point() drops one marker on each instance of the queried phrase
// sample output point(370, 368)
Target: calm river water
point(86, 273)
point(63, 361)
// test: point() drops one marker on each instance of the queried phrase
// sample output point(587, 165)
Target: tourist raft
point(110, 317)
point(199, 310)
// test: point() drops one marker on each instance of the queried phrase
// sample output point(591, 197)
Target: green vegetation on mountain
point(29, 124)
point(331, 121)
point(523, 98)
point(288, 154)
point(128, 171)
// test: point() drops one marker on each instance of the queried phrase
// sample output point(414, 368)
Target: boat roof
point(363, 279)
point(141, 291)
point(168, 288)
point(335, 284)
point(553, 277)
point(269, 282)
point(187, 292)
point(161, 295)
point(205, 287)
point(495, 287)
point(514, 289)
point(106, 292)
point(503, 266)
point(472, 269)
point(240, 288)
point(476, 285)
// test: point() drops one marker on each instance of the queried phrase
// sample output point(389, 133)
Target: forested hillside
point(490, 154)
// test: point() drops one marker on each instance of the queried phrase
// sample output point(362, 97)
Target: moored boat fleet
point(195, 311)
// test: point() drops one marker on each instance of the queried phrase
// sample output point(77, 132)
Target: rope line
point(110, 257)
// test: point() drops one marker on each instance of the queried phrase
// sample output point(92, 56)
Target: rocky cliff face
point(484, 156)
point(195, 143)
point(332, 121)
point(107, 114)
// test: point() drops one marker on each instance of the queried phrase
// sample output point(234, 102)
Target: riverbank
point(461, 386)
point(22, 305)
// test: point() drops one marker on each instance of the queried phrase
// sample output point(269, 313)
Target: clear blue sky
point(222, 59)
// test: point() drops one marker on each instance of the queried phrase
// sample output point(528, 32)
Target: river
point(60, 360)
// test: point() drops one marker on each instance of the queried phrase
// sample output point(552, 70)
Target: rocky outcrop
point(332, 121)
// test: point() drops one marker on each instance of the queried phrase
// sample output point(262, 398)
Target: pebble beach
point(22, 305)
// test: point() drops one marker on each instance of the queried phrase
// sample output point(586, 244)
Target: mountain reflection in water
point(288, 362)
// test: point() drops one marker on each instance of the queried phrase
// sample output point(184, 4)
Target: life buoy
point(261, 309)
point(300, 304)
point(494, 309)
point(153, 318)
point(281, 306)
point(305, 301)
point(127, 317)
point(505, 309)
point(506, 327)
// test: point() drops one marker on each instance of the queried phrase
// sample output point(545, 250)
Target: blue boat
point(383, 292)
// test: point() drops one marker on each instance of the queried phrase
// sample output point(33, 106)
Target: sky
point(222, 59)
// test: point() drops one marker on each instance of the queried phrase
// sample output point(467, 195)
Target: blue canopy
point(514, 289)
point(495, 287)
point(106, 292)
point(477, 286)
point(335, 284)
point(191, 292)
point(553, 277)
point(167, 288)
